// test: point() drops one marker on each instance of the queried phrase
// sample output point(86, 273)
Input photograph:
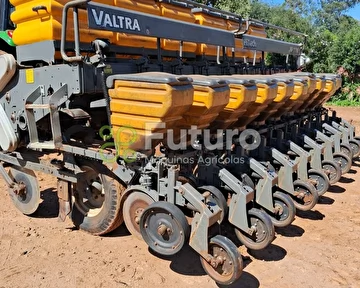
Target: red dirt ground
point(320, 249)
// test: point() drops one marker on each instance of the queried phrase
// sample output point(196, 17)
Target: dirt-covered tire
point(344, 161)
point(100, 219)
point(333, 171)
point(346, 149)
point(287, 210)
point(310, 198)
point(322, 181)
point(259, 239)
point(355, 146)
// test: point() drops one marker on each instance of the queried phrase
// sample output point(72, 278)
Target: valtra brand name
point(104, 19)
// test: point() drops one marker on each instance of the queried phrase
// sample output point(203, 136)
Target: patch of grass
point(344, 103)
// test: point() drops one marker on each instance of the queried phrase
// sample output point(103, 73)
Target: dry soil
point(320, 249)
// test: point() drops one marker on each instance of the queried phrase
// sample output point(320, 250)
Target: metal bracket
point(263, 189)
point(285, 173)
point(302, 160)
point(63, 192)
point(350, 127)
point(9, 181)
point(328, 144)
point(344, 132)
point(237, 207)
point(315, 152)
point(336, 136)
point(201, 221)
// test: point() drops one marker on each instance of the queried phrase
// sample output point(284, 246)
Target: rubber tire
point(317, 173)
point(235, 256)
point(355, 146)
point(270, 230)
point(219, 198)
point(176, 214)
point(125, 207)
point(336, 166)
point(344, 168)
point(346, 149)
point(287, 201)
point(110, 216)
point(309, 187)
point(28, 177)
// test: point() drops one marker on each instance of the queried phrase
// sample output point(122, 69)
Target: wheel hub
point(89, 192)
point(20, 189)
point(221, 262)
point(279, 209)
point(163, 229)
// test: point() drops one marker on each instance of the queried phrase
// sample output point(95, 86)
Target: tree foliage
point(333, 38)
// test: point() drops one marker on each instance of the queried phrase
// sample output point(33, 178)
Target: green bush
point(348, 95)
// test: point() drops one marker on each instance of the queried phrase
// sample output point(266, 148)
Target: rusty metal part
point(63, 191)
point(133, 207)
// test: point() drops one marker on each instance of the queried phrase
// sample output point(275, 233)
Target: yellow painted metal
point(330, 89)
point(145, 107)
point(311, 81)
point(242, 95)
point(300, 93)
point(29, 76)
point(47, 24)
point(320, 86)
point(210, 98)
point(266, 93)
point(285, 90)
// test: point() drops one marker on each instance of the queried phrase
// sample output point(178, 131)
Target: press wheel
point(332, 170)
point(26, 194)
point(164, 228)
point(133, 208)
point(226, 265)
point(263, 230)
point(217, 197)
point(346, 149)
point(97, 198)
point(344, 161)
point(320, 181)
point(285, 210)
point(355, 147)
point(306, 197)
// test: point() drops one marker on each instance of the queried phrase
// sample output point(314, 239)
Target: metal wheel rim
point(224, 271)
point(91, 196)
point(320, 181)
point(154, 221)
point(139, 202)
point(284, 210)
point(346, 151)
point(307, 199)
point(355, 147)
point(259, 233)
point(28, 201)
point(332, 170)
point(341, 161)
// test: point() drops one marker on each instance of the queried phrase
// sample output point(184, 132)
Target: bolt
point(162, 229)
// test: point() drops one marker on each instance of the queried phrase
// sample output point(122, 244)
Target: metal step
point(37, 106)
point(42, 145)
